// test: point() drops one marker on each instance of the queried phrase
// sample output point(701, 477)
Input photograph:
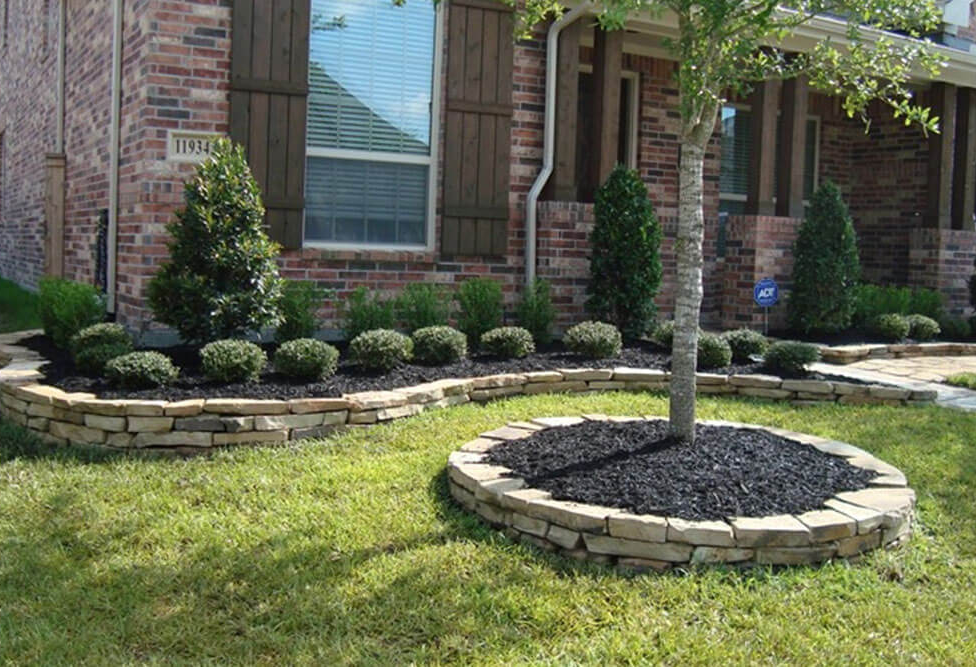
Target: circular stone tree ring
point(848, 524)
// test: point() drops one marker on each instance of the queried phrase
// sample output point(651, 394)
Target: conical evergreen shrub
point(625, 268)
point(222, 280)
point(826, 268)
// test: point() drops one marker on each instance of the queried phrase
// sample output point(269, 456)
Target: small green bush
point(966, 380)
point(480, 301)
point(713, 352)
point(890, 327)
point(298, 306)
point(381, 349)
point(508, 342)
point(105, 333)
point(789, 358)
point(91, 360)
point(363, 311)
point(422, 305)
point(535, 311)
point(925, 302)
point(663, 333)
point(922, 328)
point(232, 360)
point(67, 307)
point(306, 359)
point(439, 345)
point(875, 300)
point(745, 343)
point(954, 328)
point(141, 370)
point(594, 340)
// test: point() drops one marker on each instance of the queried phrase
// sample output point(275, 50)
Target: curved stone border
point(849, 524)
point(849, 354)
point(198, 424)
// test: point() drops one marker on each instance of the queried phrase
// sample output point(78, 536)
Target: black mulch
point(636, 466)
point(349, 378)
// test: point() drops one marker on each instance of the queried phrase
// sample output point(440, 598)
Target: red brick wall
point(942, 259)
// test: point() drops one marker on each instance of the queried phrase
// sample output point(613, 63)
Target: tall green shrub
point(482, 308)
point(364, 311)
point(825, 266)
point(421, 305)
point(222, 280)
point(67, 307)
point(535, 311)
point(299, 304)
point(625, 267)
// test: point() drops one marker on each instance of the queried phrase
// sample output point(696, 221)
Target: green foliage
point(481, 304)
point(594, 340)
point(713, 352)
point(222, 280)
point(381, 349)
point(364, 311)
point(663, 333)
point(508, 342)
point(104, 333)
point(954, 328)
point(67, 307)
point(745, 343)
point(536, 312)
point(91, 360)
point(891, 327)
point(826, 268)
point(141, 370)
point(625, 265)
point(790, 358)
point(439, 345)
point(922, 328)
point(306, 359)
point(965, 380)
point(298, 307)
point(925, 302)
point(422, 305)
point(232, 360)
point(18, 308)
point(875, 300)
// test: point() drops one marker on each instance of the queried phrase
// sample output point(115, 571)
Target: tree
point(825, 266)
point(625, 267)
point(222, 279)
point(722, 47)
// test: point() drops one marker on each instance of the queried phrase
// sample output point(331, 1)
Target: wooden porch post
point(54, 214)
point(607, 62)
point(964, 169)
point(762, 163)
point(941, 157)
point(792, 148)
point(563, 182)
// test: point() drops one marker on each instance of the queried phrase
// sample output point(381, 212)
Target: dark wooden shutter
point(268, 105)
point(479, 127)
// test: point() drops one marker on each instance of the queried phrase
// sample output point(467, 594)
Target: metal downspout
point(113, 185)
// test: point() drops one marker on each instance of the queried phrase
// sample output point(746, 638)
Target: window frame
point(729, 196)
point(633, 148)
point(431, 161)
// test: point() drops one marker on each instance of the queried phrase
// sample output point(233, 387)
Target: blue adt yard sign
point(766, 293)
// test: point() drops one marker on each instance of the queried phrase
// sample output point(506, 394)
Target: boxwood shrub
point(790, 358)
point(508, 342)
point(595, 340)
point(713, 352)
point(922, 328)
point(91, 360)
point(381, 349)
point(891, 327)
point(745, 343)
point(439, 345)
point(67, 307)
point(141, 370)
point(232, 360)
point(306, 359)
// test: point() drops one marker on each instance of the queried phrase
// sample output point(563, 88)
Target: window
point(371, 138)
point(737, 150)
point(629, 112)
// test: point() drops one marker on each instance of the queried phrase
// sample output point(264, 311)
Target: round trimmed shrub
point(663, 334)
point(106, 333)
point(790, 358)
point(745, 343)
point(508, 342)
point(232, 361)
point(922, 328)
point(891, 326)
point(381, 349)
point(713, 352)
point(439, 345)
point(595, 340)
point(306, 359)
point(141, 370)
point(91, 360)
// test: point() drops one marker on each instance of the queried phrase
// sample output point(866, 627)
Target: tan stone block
point(145, 408)
point(828, 525)
point(924, 395)
point(896, 501)
point(868, 520)
point(756, 381)
point(507, 433)
point(76, 433)
point(850, 389)
point(651, 376)
point(833, 447)
point(70, 416)
point(711, 379)
point(464, 497)
point(712, 555)
point(37, 393)
point(470, 475)
point(607, 386)
point(543, 376)
point(250, 437)
point(481, 395)
point(851, 546)
point(150, 424)
point(701, 533)
point(808, 386)
point(716, 389)
point(335, 418)
point(646, 386)
point(549, 422)
point(518, 501)
point(40, 410)
point(498, 381)
point(492, 514)
point(479, 445)
point(201, 423)
point(528, 426)
point(575, 516)
point(101, 407)
point(409, 410)
point(563, 537)
point(586, 374)
point(490, 491)
point(447, 401)
point(18, 418)
point(279, 422)
point(595, 417)
point(68, 401)
point(642, 527)
point(758, 392)
point(39, 424)
point(615, 546)
point(187, 408)
point(422, 393)
point(236, 406)
point(554, 387)
point(119, 440)
point(868, 462)
point(113, 424)
point(14, 404)
point(375, 400)
point(173, 439)
point(783, 530)
point(11, 375)
point(301, 406)
point(889, 480)
point(889, 393)
point(795, 556)
point(236, 424)
point(366, 417)
point(529, 525)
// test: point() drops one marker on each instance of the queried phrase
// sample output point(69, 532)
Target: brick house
point(399, 144)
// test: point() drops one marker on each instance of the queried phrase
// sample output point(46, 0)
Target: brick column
point(938, 209)
point(762, 163)
point(792, 148)
point(942, 259)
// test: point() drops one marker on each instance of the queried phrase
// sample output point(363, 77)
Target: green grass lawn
point(18, 308)
point(349, 551)
point(967, 380)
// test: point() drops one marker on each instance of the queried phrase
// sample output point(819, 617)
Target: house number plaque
point(189, 146)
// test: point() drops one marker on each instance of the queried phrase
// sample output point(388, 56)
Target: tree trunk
point(688, 290)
